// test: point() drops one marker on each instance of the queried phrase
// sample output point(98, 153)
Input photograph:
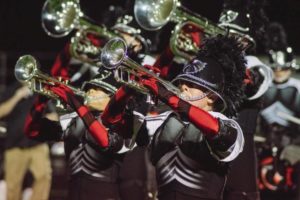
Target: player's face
point(281, 74)
point(96, 99)
point(132, 41)
point(205, 103)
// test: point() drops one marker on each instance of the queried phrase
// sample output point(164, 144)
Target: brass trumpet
point(114, 57)
point(27, 70)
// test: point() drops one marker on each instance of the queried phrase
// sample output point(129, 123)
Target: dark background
point(21, 31)
point(20, 27)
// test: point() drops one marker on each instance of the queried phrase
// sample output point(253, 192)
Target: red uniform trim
point(100, 134)
point(82, 110)
point(204, 121)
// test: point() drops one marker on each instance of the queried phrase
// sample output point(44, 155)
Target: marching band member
point(201, 138)
point(91, 149)
point(280, 107)
point(283, 93)
point(192, 144)
point(247, 21)
point(65, 68)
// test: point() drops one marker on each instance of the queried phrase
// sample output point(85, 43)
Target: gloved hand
point(63, 92)
point(155, 87)
point(152, 68)
point(97, 130)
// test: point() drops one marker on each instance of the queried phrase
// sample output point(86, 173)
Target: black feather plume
point(227, 51)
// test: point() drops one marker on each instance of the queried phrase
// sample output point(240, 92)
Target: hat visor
point(105, 87)
point(197, 81)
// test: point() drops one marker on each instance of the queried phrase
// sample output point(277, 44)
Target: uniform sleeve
point(61, 63)
point(116, 115)
point(259, 78)
point(39, 128)
point(229, 143)
point(164, 62)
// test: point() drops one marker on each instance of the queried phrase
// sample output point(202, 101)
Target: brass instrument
point(82, 49)
point(27, 70)
point(60, 17)
point(154, 14)
point(114, 57)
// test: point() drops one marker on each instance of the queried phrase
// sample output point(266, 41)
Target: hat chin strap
point(194, 98)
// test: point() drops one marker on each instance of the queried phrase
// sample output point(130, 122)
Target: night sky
point(21, 30)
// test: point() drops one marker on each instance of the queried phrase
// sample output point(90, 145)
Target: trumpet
point(154, 14)
point(27, 70)
point(82, 49)
point(60, 17)
point(114, 57)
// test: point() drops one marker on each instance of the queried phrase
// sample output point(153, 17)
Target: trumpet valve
point(63, 80)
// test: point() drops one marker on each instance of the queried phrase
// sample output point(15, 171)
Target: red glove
point(63, 92)
point(155, 87)
point(97, 130)
point(152, 68)
point(151, 84)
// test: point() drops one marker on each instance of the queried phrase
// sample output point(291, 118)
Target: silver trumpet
point(27, 70)
point(60, 17)
point(154, 14)
point(114, 57)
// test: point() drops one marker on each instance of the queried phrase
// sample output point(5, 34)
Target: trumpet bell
point(25, 68)
point(114, 57)
point(152, 15)
point(60, 17)
point(113, 53)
